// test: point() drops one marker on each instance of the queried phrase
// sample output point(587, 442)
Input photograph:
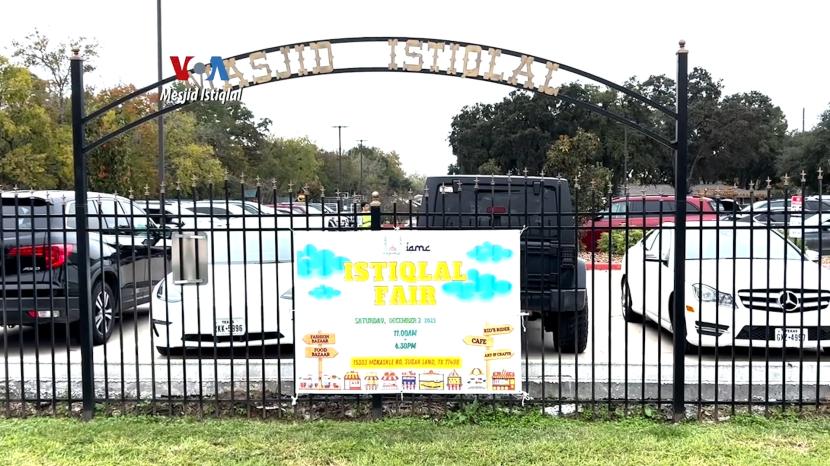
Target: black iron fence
point(597, 297)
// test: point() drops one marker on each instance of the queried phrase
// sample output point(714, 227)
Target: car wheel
point(104, 312)
point(570, 330)
point(628, 312)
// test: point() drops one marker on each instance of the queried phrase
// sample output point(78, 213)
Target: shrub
point(615, 240)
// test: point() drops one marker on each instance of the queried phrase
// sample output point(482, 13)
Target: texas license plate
point(226, 327)
point(795, 335)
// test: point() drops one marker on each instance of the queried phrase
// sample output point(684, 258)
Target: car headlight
point(708, 294)
point(171, 295)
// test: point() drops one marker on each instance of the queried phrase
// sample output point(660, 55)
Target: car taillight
point(53, 256)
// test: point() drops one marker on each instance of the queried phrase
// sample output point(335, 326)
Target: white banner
point(407, 311)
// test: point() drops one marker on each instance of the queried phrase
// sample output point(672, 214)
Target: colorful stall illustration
point(504, 380)
point(454, 381)
point(389, 381)
point(431, 380)
point(351, 380)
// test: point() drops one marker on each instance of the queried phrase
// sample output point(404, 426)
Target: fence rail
point(756, 320)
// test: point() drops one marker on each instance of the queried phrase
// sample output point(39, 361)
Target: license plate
point(796, 335)
point(224, 327)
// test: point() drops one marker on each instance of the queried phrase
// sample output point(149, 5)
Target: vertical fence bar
point(374, 215)
point(79, 159)
point(678, 309)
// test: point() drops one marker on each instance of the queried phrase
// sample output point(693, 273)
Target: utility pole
point(160, 103)
point(339, 156)
point(360, 145)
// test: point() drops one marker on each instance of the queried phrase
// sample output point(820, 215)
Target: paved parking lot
point(632, 358)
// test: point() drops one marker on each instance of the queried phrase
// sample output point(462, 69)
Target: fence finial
point(258, 182)
point(130, 193)
point(769, 183)
point(193, 180)
point(274, 185)
point(162, 188)
point(146, 190)
point(803, 177)
point(525, 172)
point(375, 199)
point(475, 182)
point(820, 173)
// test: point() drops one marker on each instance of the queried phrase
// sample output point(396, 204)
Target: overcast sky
point(778, 48)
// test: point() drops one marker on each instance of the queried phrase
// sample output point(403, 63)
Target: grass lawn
point(500, 439)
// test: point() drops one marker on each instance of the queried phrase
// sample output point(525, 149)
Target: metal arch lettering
point(319, 54)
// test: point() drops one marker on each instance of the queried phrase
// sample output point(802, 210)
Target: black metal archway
point(405, 55)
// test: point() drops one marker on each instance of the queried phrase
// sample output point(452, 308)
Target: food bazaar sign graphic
point(407, 312)
point(377, 54)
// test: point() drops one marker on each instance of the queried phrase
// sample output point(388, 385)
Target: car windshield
point(740, 243)
point(251, 247)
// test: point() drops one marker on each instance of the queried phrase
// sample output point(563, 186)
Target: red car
point(643, 212)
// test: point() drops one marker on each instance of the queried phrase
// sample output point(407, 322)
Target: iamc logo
point(195, 90)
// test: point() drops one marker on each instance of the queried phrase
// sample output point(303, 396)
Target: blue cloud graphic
point(479, 286)
point(489, 252)
point(322, 262)
point(324, 292)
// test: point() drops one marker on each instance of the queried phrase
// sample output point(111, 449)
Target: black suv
point(38, 259)
point(553, 277)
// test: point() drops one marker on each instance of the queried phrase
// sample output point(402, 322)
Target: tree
point(577, 159)
point(289, 161)
point(34, 150)
point(35, 51)
point(232, 131)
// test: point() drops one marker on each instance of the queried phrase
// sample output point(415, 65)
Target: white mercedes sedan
point(745, 286)
point(246, 301)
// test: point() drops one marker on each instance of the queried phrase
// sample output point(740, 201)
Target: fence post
point(82, 240)
point(374, 212)
point(680, 188)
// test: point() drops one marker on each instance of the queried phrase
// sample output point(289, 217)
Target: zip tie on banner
point(524, 227)
point(294, 400)
point(524, 314)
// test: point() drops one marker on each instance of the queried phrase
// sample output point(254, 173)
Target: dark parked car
point(39, 259)
point(552, 276)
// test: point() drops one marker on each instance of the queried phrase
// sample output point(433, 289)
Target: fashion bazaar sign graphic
point(375, 314)
point(405, 55)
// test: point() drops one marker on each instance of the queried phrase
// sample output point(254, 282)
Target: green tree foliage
point(39, 54)
point(34, 150)
point(736, 137)
point(233, 132)
point(289, 161)
point(577, 159)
